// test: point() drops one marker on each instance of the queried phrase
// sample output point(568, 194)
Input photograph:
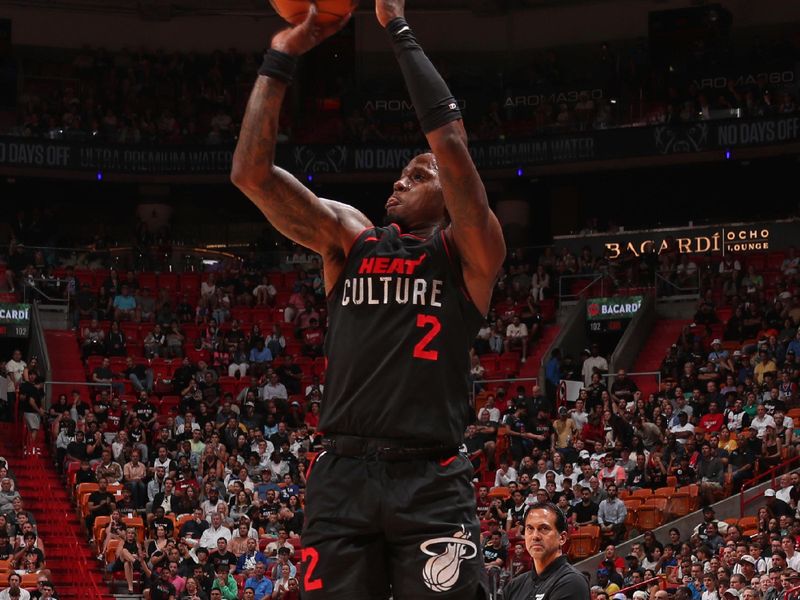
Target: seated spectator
point(239, 361)
point(258, 582)
point(7, 495)
point(145, 305)
point(130, 558)
point(192, 531)
point(14, 591)
point(494, 557)
point(116, 341)
point(108, 469)
point(251, 558)
point(161, 588)
point(214, 532)
point(260, 357)
point(140, 376)
point(313, 339)
point(154, 342)
point(124, 305)
point(101, 503)
point(516, 336)
point(225, 584)
point(93, 339)
point(611, 515)
point(174, 339)
point(221, 556)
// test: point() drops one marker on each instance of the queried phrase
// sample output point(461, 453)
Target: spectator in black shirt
point(623, 388)
point(140, 376)
point(6, 549)
point(85, 474)
point(78, 450)
point(494, 558)
point(31, 396)
point(192, 531)
point(202, 571)
point(585, 511)
point(161, 588)
point(222, 556)
point(742, 460)
point(145, 411)
point(101, 503)
point(638, 477)
point(182, 376)
point(79, 407)
point(290, 375)
point(521, 439)
point(104, 374)
point(542, 430)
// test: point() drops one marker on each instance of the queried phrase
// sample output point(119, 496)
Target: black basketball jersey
point(400, 327)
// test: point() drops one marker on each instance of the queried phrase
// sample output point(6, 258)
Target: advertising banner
point(618, 307)
point(15, 320)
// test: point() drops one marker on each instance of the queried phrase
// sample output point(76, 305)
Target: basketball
point(295, 11)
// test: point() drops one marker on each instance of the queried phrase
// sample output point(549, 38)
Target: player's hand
point(301, 38)
point(386, 10)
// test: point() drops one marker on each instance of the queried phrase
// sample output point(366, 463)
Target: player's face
point(417, 199)
point(542, 538)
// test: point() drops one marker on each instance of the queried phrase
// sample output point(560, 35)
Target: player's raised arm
point(322, 225)
point(474, 228)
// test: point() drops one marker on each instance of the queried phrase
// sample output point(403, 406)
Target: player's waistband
point(386, 449)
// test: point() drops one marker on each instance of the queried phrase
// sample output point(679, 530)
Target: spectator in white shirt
point(494, 413)
point(595, 361)
point(579, 415)
point(274, 389)
point(792, 557)
point(14, 590)
point(214, 532)
point(683, 430)
point(505, 475)
point(785, 491)
point(761, 421)
point(517, 336)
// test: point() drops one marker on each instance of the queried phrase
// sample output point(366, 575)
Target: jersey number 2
point(420, 350)
point(312, 556)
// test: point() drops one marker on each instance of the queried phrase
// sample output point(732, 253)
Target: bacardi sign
point(732, 240)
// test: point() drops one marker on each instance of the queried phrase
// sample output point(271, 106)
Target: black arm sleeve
point(432, 100)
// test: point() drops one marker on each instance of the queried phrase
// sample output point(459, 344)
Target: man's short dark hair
point(561, 519)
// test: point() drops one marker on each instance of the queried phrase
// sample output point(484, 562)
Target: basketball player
point(552, 577)
point(391, 508)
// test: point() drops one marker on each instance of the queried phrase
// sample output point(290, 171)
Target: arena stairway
point(76, 573)
point(65, 362)
point(665, 332)
point(531, 367)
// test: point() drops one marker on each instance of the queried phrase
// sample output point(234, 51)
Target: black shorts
point(407, 528)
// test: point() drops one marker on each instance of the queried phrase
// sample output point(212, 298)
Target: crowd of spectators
point(136, 96)
point(22, 550)
point(233, 461)
point(716, 560)
point(723, 414)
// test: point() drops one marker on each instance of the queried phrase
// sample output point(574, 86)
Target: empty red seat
point(168, 281)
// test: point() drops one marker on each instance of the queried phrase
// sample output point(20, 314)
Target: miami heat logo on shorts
point(441, 571)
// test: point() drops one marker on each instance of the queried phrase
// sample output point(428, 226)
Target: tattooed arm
point(324, 226)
